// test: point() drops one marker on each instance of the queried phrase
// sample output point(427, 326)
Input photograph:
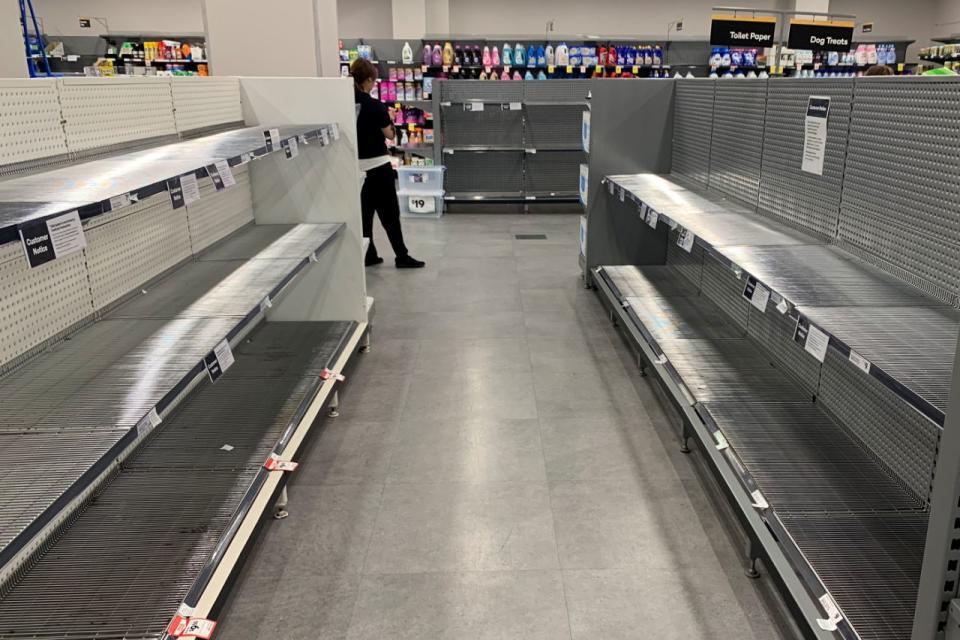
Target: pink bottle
point(487, 60)
point(495, 57)
point(505, 76)
point(517, 76)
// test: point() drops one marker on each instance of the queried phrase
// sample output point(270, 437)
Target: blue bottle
point(541, 75)
point(531, 56)
point(506, 55)
point(541, 56)
point(519, 59)
point(528, 75)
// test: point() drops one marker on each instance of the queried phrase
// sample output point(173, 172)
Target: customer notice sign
point(821, 35)
point(737, 31)
point(51, 238)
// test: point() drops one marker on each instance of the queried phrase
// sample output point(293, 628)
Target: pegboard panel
point(722, 286)
point(693, 128)
point(106, 112)
point(736, 145)
point(30, 127)
point(553, 126)
point(552, 172)
point(466, 90)
point(134, 244)
point(216, 215)
point(774, 331)
point(204, 102)
point(38, 304)
point(556, 91)
point(804, 200)
point(492, 127)
point(901, 190)
point(895, 433)
point(491, 173)
point(688, 265)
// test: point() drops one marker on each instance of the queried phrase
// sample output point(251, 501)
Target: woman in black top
point(374, 128)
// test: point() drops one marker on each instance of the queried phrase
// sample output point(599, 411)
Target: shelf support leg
point(365, 343)
point(751, 570)
point(684, 438)
point(333, 410)
point(280, 509)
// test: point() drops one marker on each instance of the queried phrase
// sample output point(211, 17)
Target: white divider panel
point(216, 215)
point(38, 304)
point(30, 126)
point(104, 112)
point(128, 247)
point(203, 102)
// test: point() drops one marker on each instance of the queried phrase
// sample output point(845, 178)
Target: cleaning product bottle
point(406, 54)
point(528, 75)
point(563, 55)
point(541, 56)
point(725, 58)
point(657, 56)
point(483, 75)
point(495, 57)
point(630, 57)
point(519, 55)
point(487, 60)
point(427, 55)
point(531, 56)
point(541, 75)
point(517, 76)
point(506, 75)
point(494, 75)
point(458, 58)
point(448, 53)
point(437, 58)
point(507, 54)
point(602, 57)
point(551, 58)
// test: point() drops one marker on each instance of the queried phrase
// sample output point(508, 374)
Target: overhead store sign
point(735, 31)
point(825, 35)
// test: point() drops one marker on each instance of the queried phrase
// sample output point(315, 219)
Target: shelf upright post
point(939, 576)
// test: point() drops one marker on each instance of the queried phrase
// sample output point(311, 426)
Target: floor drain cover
point(530, 236)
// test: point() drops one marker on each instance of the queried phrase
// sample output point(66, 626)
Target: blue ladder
point(37, 40)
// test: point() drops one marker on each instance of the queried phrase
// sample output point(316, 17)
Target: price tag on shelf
point(833, 613)
point(272, 139)
point(326, 374)
point(302, 139)
point(265, 304)
point(583, 69)
point(686, 239)
point(813, 340)
point(635, 70)
point(190, 187)
point(246, 157)
point(475, 105)
point(599, 68)
point(569, 69)
point(118, 202)
point(757, 294)
point(551, 68)
point(223, 171)
point(721, 441)
point(618, 69)
point(274, 463)
point(900, 67)
point(456, 69)
point(149, 422)
point(783, 306)
point(621, 193)
point(292, 150)
point(759, 501)
point(199, 628)
point(516, 106)
point(424, 68)
point(859, 361)
point(335, 127)
point(610, 187)
point(218, 360)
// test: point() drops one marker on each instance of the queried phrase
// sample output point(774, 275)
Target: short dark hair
point(879, 70)
point(362, 70)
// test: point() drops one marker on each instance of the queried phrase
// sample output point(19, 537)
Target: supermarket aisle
point(500, 470)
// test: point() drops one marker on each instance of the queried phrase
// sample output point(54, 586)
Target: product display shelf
point(154, 538)
point(843, 533)
point(100, 186)
point(900, 337)
point(74, 409)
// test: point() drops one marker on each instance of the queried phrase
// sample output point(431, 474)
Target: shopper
point(879, 70)
point(374, 128)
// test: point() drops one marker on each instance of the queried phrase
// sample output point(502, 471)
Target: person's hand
point(393, 114)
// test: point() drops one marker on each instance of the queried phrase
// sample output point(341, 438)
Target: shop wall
point(947, 20)
point(914, 19)
point(365, 18)
point(174, 17)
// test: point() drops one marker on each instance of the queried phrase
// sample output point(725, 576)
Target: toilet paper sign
point(815, 135)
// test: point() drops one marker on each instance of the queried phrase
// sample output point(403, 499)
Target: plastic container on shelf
point(421, 180)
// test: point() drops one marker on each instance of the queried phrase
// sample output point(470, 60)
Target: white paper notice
point(191, 188)
point(293, 149)
point(652, 218)
point(224, 355)
point(223, 168)
point(275, 138)
point(817, 342)
point(621, 193)
point(118, 202)
point(833, 613)
point(516, 106)
point(685, 241)
point(721, 441)
point(66, 233)
point(475, 106)
point(324, 138)
point(336, 131)
point(859, 361)
point(757, 294)
point(610, 187)
point(585, 131)
point(815, 135)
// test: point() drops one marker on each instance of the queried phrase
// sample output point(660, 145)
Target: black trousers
point(379, 195)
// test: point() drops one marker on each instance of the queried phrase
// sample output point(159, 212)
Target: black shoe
point(406, 262)
point(370, 262)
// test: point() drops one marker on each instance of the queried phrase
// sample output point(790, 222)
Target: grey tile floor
point(499, 470)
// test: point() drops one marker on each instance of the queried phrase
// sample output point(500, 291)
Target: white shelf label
point(474, 106)
point(833, 613)
point(265, 304)
point(324, 137)
point(190, 187)
point(149, 422)
point(199, 628)
point(226, 174)
point(759, 501)
point(293, 149)
point(814, 340)
point(815, 135)
point(721, 441)
point(652, 218)
point(275, 138)
point(782, 306)
point(859, 361)
point(118, 202)
point(757, 294)
point(686, 239)
point(336, 131)
point(422, 204)
point(585, 131)
point(610, 187)
point(621, 193)
point(515, 106)
point(219, 360)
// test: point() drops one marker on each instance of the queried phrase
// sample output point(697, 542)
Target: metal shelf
point(910, 339)
point(480, 149)
point(181, 497)
point(88, 187)
point(103, 383)
point(814, 485)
